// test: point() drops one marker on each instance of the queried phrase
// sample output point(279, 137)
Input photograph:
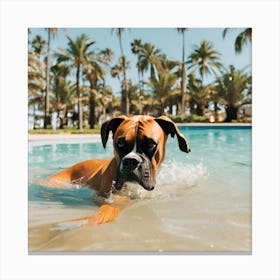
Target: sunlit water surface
point(202, 202)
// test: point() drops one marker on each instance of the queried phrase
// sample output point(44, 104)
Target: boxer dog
point(139, 148)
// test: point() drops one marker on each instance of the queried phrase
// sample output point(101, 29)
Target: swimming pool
point(202, 202)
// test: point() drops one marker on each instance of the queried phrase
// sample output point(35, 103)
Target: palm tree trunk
point(183, 90)
point(202, 79)
point(92, 108)
point(200, 109)
point(64, 118)
point(141, 81)
point(125, 97)
point(140, 91)
point(162, 107)
point(47, 102)
point(231, 114)
point(216, 111)
point(183, 82)
point(34, 117)
point(80, 105)
point(152, 75)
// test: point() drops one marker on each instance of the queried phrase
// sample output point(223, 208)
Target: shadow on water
point(68, 197)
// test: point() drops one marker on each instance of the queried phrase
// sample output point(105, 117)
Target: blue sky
point(166, 39)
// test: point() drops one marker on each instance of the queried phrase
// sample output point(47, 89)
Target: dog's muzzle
point(135, 167)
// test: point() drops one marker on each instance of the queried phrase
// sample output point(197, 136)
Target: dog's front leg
point(106, 213)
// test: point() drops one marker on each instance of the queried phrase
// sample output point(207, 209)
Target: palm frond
point(242, 39)
point(225, 31)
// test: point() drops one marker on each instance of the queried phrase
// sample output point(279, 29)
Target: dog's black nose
point(131, 161)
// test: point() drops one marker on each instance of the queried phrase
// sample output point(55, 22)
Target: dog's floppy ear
point(169, 127)
point(110, 125)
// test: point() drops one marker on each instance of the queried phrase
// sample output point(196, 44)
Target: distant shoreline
point(61, 137)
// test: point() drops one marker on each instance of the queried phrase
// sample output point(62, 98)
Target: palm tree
point(200, 95)
point(35, 82)
point(183, 72)
point(107, 103)
point(35, 73)
point(241, 40)
point(149, 58)
point(78, 54)
point(204, 59)
point(135, 48)
point(118, 71)
point(95, 73)
point(125, 97)
point(35, 76)
point(164, 85)
point(162, 88)
point(51, 32)
point(135, 105)
point(63, 91)
point(234, 90)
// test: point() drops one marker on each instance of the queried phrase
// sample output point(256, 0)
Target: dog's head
point(139, 144)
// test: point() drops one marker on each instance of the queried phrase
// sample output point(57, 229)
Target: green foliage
point(234, 88)
point(39, 46)
point(204, 59)
point(242, 39)
point(35, 80)
point(189, 118)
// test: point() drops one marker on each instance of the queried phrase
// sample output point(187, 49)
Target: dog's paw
point(105, 214)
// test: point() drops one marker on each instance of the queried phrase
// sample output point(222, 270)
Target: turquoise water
point(225, 152)
point(202, 201)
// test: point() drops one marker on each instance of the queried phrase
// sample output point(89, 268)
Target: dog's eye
point(151, 144)
point(121, 143)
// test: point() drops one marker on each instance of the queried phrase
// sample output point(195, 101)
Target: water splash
point(133, 190)
point(181, 175)
point(173, 178)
